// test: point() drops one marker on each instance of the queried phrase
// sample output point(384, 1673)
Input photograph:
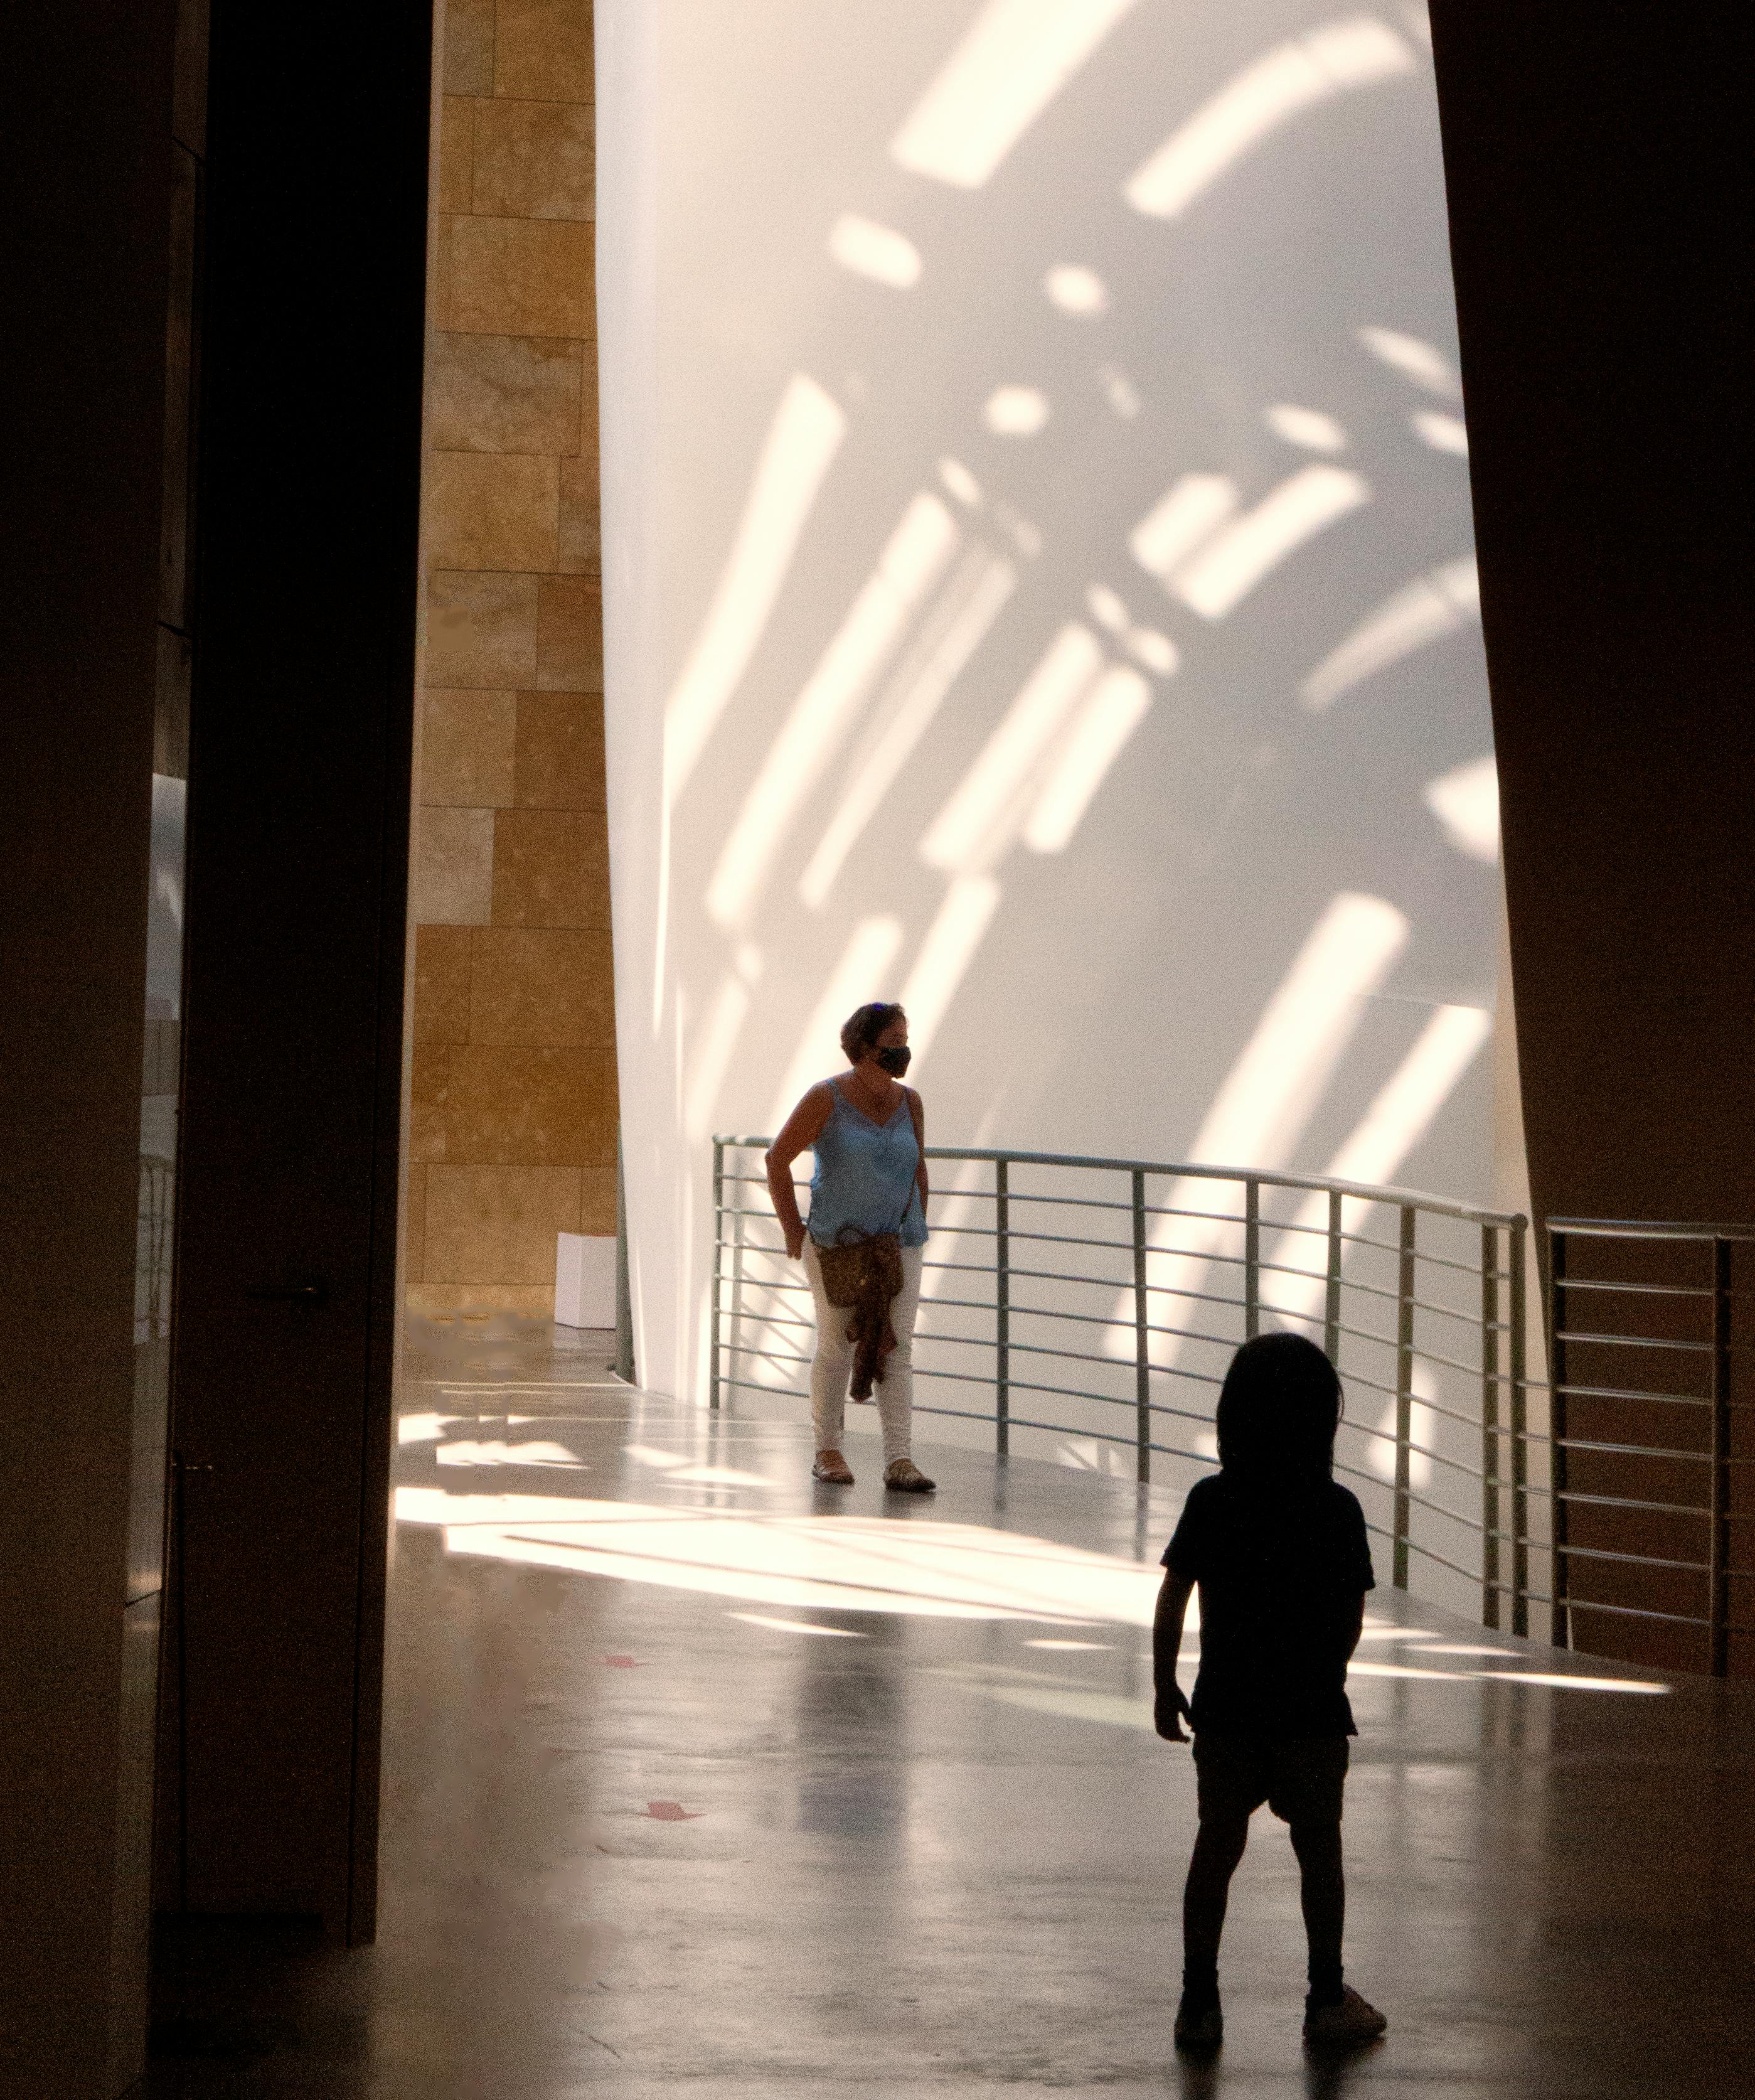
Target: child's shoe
point(1354, 2020)
point(1199, 2026)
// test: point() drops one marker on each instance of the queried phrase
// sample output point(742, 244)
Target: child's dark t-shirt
point(1281, 1575)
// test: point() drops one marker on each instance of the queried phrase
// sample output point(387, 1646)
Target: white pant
point(832, 1366)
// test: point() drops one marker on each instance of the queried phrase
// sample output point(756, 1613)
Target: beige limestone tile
point(580, 552)
point(552, 868)
point(457, 153)
point(498, 1225)
point(543, 49)
point(469, 749)
point(441, 962)
point(507, 393)
point(588, 407)
point(499, 1105)
point(541, 986)
point(492, 510)
point(560, 751)
point(522, 276)
point(439, 271)
point(414, 1227)
point(481, 630)
point(597, 1201)
point(467, 64)
point(537, 159)
point(569, 635)
point(451, 880)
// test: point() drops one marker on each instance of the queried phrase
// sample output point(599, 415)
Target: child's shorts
point(1301, 1777)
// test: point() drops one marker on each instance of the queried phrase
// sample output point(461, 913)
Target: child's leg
point(1219, 1845)
point(1323, 1892)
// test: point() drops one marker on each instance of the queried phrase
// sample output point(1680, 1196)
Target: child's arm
point(1166, 1640)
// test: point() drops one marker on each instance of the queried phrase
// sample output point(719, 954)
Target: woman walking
point(863, 1248)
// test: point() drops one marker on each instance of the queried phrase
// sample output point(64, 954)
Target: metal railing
point(1628, 1542)
point(1087, 1307)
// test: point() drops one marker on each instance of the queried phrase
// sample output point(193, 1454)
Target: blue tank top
point(865, 1175)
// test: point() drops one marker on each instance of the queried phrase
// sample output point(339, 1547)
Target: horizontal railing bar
point(1634, 1611)
point(1631, 1228)
point(1632, 1392)
point(1636, 1502)
point(1633, 1450)
point(1440, 1205)
point(1642, 1290)
point(1633, 1559)
point(1632, 1342)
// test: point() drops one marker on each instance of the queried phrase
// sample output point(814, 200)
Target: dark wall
point(308, 495)
point(85, 166)
point(1596, 158)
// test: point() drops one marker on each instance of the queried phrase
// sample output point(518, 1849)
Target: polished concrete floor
point(702, 1781)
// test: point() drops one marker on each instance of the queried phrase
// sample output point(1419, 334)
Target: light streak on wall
point(1312, 428)
point(1443, 434)
point(1426, 610)
point(1420, 361)
point(964, 827)
point(1115, 708)
point(1015, 411)
point(1466, 802)
point(1014, 58)
point(1191, 510)
point(1359, 52)
point(713, 1056)
point(1074, 290)
point(858, 976)
point(1260, 1110)
point(1422, 1422)
point(1390, 1130)
point(874, 251)
point(874, 769)
point(916, 557)
point(1157, 652)
point(1218, 579)
point(806, 434)
point(945, 956)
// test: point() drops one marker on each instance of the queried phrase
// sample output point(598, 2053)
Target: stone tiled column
point(515, 1105)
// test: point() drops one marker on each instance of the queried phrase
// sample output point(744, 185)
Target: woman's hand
point(1167, 1715)
point(795, 1244)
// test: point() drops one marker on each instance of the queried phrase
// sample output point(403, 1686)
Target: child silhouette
point(1278, 1550)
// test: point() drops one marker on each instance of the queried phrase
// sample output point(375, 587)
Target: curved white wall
point(1038, 586)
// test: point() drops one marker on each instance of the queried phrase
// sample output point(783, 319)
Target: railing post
point(1001, 1308)
point(624, 1366)
point(1559, 1629)
point(1251, 1259)
point(1331, 1309)
point(1490, 1427)
point(719, 1227)
point(1142, 1368)
point(738, 1217)
point(1718, 1549)
point(1403, 1398)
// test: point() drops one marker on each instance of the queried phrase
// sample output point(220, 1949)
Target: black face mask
point(894, 1060)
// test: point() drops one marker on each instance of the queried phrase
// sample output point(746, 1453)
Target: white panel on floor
point(584, 1280)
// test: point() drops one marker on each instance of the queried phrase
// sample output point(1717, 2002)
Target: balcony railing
point(1086, 1309)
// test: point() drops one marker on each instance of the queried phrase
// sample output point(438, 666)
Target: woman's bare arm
point(1169, 1705)
point(804, 1126)
point(917, 1109)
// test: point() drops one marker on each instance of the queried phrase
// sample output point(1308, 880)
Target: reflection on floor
point(701, 1778)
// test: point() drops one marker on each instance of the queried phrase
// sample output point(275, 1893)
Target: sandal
point(833, 1468)
point(907, 1478)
